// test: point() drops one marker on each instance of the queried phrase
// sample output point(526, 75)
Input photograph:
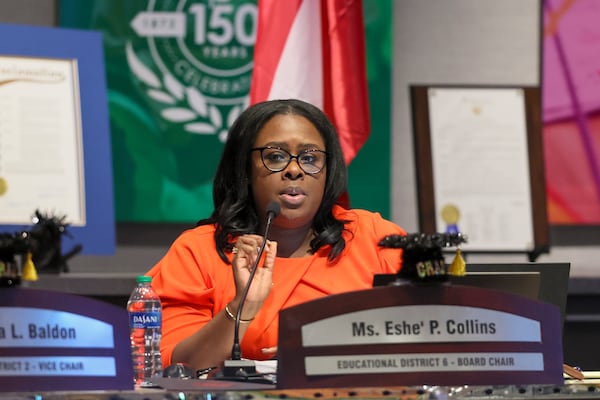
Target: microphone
point(236, 368)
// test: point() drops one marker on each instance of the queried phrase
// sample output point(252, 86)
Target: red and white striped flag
point(314, 50)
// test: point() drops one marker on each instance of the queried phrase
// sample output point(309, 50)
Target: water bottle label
point(145, 319)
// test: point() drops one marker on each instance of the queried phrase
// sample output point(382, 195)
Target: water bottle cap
point(143, 279)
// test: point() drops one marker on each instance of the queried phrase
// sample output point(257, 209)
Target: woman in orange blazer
point(287, 152)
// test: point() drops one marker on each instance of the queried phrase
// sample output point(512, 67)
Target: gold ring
point(234, 250)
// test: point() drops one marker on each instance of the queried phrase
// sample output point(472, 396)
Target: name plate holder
point(54, 341)
point(419, 334)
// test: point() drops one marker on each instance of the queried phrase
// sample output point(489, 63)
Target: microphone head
point(273, 209)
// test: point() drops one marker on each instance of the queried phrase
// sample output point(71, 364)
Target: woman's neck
point(292, 243)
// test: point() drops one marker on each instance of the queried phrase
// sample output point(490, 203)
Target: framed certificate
point(480, 166)
point(41, 147)
point(55, 148)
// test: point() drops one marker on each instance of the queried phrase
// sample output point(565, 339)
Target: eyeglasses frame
point(291, 157)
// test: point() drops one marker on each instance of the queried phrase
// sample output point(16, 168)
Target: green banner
point(178, 74)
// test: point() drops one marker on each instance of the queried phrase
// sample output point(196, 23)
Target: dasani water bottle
point(145, 318)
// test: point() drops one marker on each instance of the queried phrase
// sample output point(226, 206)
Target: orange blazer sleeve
point(192, 282)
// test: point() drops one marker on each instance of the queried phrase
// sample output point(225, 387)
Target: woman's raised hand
point(246, 251)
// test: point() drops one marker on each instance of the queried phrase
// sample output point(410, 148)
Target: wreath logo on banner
point(203, 76)
point(197, 115)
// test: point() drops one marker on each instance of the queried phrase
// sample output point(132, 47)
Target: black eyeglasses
point(276, 159)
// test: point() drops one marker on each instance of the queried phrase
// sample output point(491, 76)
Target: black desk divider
point(53, 341)
point(419, 334)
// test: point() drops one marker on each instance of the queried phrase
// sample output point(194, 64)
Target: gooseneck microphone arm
point(273, 209)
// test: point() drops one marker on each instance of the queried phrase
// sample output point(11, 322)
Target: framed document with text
point(55, 146)
point(480, 166)
point(41, 150)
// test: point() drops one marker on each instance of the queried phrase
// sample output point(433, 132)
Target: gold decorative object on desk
point(422, 257)
point(24, 253)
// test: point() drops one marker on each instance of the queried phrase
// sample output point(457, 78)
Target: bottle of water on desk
point(145, 318)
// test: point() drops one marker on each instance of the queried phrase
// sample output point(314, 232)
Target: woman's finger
point(269, 350)
point(271, 251)
point(246, 247)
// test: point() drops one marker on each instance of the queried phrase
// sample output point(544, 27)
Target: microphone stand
point(236, 368)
